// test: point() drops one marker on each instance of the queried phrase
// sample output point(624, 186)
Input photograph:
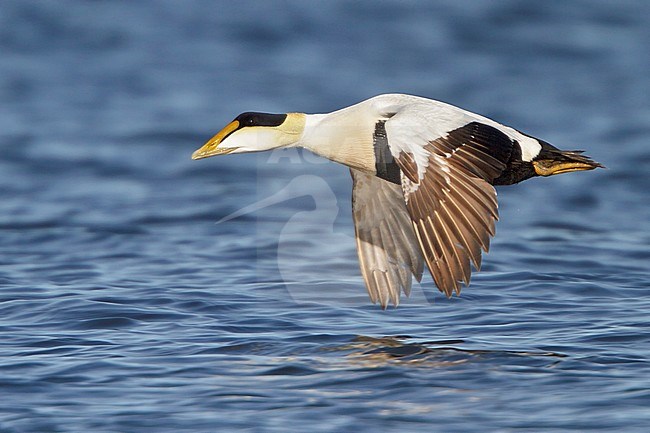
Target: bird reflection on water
point(372, 351)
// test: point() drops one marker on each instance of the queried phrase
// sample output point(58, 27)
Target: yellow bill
point(211, 148)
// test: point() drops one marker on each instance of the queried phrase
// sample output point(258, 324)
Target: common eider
point(423, 175)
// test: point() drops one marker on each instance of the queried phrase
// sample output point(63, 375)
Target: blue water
point(125, 308)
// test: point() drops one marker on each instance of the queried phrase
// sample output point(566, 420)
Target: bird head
point(551, 161)
point(254, 132)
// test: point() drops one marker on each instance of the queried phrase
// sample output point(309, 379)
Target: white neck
point(344, 136)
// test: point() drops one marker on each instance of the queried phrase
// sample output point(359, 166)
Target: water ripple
point(123, 307)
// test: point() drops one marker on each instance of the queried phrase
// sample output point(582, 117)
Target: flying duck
point(423, 175)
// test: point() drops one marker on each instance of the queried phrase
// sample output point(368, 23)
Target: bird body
point(423, 179)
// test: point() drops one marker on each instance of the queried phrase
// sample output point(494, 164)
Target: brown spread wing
point(388, 249)
point(453, 206)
